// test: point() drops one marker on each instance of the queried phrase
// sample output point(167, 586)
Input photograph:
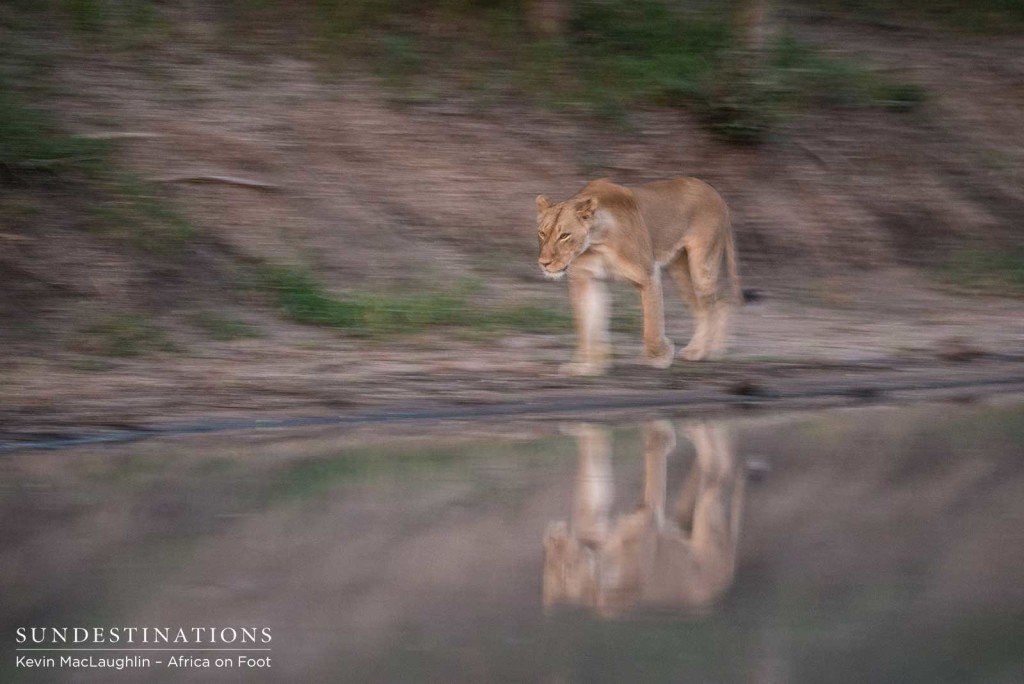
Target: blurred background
point(222, 197)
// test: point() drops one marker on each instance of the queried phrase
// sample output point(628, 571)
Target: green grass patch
point(976, 16)
point(986, 271)
point(123, 335)
point(32, 145)
point(301, 297)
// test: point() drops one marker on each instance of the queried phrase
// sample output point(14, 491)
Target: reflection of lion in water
point(642, 558)
point(608, 230)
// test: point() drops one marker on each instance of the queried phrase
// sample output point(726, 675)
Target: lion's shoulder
point(612, 197)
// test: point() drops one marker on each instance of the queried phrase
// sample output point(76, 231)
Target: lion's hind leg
point(718, 327)
point(723, 303)
point(688, 270)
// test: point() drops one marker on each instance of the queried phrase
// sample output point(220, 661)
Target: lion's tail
point(732, 264)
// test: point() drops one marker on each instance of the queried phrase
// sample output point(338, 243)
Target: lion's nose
point(547, 263)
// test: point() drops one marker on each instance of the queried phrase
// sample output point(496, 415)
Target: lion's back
point(673, 209)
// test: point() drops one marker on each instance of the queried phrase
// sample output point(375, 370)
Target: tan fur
point(685, 560)
point(608, 230)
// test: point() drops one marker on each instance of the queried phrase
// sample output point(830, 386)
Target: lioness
point(608, 230)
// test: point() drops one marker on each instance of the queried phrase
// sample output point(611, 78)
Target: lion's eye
point(563, 237)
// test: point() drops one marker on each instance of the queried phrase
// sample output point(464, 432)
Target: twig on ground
point(121, 135)
point(227, 180)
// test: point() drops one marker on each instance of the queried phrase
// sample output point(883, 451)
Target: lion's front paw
point(693, 353)
point(582, 368)
point(661, 357)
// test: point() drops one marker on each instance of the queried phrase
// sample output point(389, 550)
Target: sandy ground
point(783, 346)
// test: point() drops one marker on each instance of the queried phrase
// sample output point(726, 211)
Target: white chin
point(556, 275)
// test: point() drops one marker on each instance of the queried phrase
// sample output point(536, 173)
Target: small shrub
point(741, 106)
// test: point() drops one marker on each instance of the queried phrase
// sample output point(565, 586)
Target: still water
point(856, 545)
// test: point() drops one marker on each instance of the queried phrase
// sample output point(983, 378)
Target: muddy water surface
point(867, 545)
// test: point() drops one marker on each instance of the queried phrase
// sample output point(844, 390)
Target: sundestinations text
point(143, 635)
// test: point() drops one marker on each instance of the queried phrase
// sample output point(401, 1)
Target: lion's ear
point(585, 208)
point(543, 203)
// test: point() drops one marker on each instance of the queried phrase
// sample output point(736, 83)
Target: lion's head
point(564, 232)
point(570, 569)
point(589, 573)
